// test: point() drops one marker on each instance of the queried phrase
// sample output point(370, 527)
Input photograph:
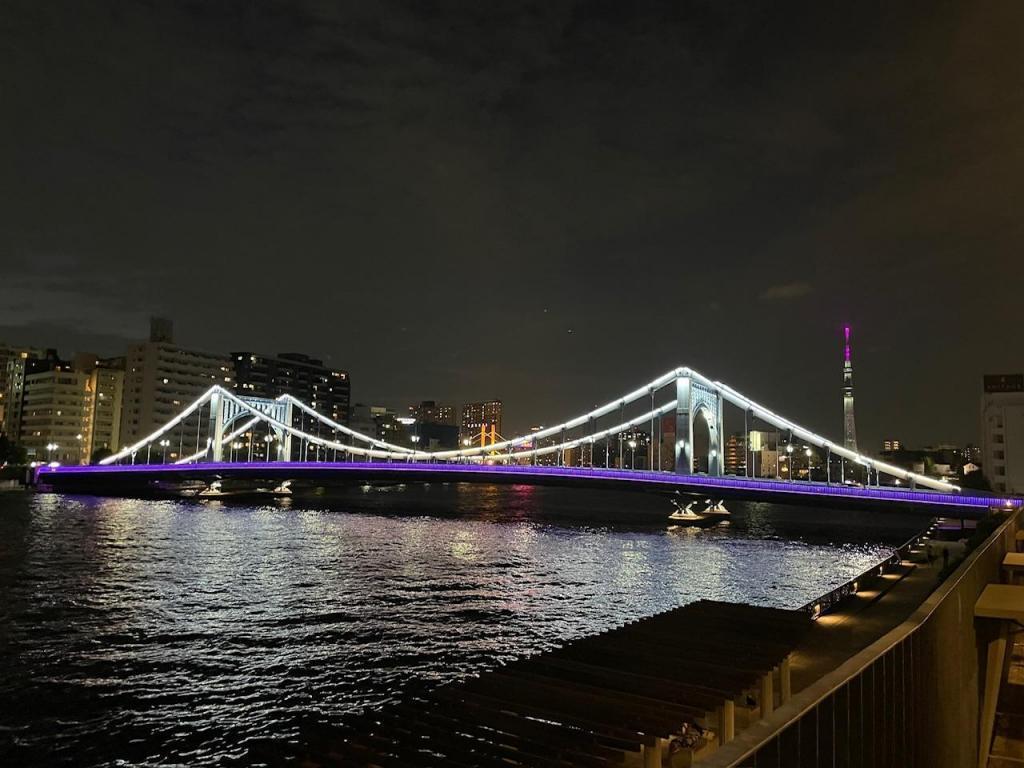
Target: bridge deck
point(623, 697)
point(130, 479)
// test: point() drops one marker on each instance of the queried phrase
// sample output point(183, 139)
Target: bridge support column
point(684, 427)
point(217, 426)
point(286, 439)
point(716, 459)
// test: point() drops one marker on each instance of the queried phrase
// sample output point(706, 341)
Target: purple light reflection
point(634, 476)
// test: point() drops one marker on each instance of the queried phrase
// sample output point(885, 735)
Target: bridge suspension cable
point(505, 450)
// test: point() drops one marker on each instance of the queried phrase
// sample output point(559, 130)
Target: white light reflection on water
point(160, 631)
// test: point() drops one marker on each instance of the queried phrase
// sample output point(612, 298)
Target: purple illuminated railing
point(665, 479)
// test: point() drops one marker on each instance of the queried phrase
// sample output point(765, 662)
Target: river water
point(173, 632)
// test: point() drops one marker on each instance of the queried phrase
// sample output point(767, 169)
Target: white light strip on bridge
point(342, 428)
point(404, 453)
point(759, 411)
point(589, 439)
point(131, 449)
point(390, 450)
point(646, 390)
point(225, 439)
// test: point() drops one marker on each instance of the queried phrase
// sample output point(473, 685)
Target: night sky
point(544, 202)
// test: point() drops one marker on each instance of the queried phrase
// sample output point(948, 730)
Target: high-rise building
point(326, 390)
point(849, 423)
point(1002, 432)
point(481, 422)
point(431, 412)
point(764, 453)
point(17, 368)
point(70, 411)
point(161, 379)
point(11, 362)
point(376, 421)
point(432, 426)
point(736, 454)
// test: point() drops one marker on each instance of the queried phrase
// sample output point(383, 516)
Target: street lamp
point(415, 442)
point(163, 444)
point(807, 453)
point(268, 440)
point(50, 448)
point(632, 454)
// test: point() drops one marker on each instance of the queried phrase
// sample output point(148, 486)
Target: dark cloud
point(785, 291)
point(406, 187)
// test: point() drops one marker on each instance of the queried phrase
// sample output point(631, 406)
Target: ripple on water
point(155, 632)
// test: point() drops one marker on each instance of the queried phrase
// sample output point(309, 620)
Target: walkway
point(862, 619)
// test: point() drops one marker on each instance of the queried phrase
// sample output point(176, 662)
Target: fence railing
point(868, 578)
point(910, 698)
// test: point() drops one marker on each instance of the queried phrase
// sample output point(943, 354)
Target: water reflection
point(154, 632)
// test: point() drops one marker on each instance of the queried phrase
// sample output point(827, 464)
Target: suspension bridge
point(224, 442)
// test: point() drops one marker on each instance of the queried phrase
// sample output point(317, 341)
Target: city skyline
point(474, 204)
point(523, 421)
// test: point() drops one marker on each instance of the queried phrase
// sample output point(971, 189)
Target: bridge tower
point(694, 399)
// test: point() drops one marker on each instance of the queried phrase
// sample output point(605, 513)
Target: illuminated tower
point(849, 423)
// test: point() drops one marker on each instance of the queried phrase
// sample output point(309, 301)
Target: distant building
point(764, 453)
point(431, 412)
point(1002, 432)
point(376, 421)
point(162, 378)
point(849, 422)
point(481, 422)
point(735, 454)
point(624, 450)
point(972, 454)
point(326, 390)
point(70, 411)
point(938, 461)
point(13, 361)
point(891, 445)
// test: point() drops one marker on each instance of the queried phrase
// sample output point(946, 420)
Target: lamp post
point(163, 444)
point(807, 453)
point(789, 461)
point(50, 448)
point(415, 443)
point(632, 454)
point(268, 440)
